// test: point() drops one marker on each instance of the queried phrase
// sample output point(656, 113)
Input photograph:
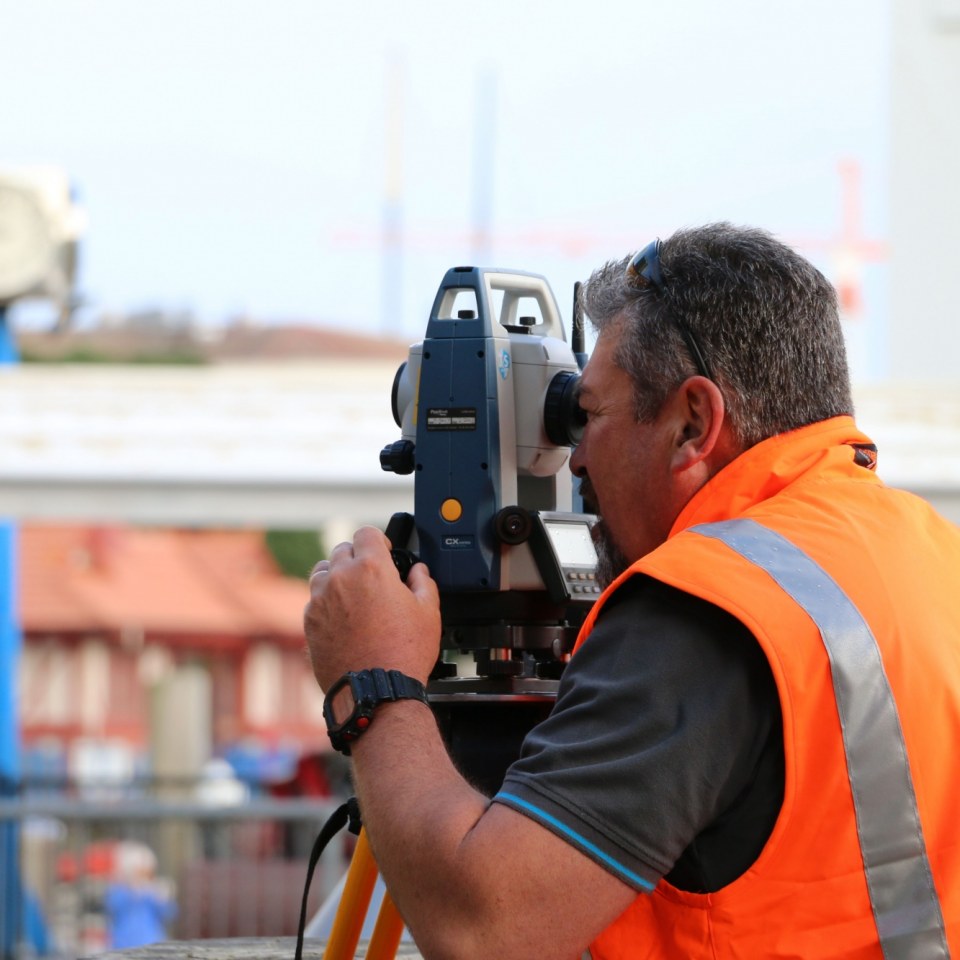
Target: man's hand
point(361, 614)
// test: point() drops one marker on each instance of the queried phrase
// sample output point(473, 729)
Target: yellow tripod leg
point(387, 932)
point(352, 911)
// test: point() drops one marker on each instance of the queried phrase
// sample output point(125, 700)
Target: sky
point(238, 158)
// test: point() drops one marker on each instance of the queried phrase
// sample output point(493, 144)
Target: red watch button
point(363, 722)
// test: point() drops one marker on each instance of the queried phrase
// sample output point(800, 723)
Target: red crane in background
point(849, 250)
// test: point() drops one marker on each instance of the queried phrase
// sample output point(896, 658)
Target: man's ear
point(700, 417)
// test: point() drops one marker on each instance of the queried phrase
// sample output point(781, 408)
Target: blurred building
point(924, 190)
point(128, 628)
point(285, 444)
point(158, 630)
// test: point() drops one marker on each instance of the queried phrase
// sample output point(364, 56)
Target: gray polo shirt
point(663, 756)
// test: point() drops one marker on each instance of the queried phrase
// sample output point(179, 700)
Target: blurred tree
point(296, 551)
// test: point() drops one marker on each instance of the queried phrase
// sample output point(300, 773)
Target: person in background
point(139, 906)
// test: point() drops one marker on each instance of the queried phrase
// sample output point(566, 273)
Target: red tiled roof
point(195, 583)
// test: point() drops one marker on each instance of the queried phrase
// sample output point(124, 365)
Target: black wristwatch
point(349, 704)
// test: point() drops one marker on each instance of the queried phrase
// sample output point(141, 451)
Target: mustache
point(610, 561)
point(589, 496)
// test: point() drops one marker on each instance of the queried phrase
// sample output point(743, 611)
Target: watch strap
point(394, 685)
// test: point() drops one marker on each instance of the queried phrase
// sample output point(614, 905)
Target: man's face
point(624, 465)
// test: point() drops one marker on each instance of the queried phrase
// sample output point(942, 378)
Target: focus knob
point(398, 457)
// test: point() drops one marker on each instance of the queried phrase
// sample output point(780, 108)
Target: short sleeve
point(663, 718)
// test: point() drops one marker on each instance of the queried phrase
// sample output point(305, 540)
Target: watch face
point(342, 705)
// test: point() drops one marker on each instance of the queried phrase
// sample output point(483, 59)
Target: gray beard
point(610, 561)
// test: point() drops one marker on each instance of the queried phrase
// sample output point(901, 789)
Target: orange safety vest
point(853, 591)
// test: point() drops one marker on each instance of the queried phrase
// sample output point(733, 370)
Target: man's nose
point(577, 467)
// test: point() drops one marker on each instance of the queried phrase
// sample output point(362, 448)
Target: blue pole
point(11, 894)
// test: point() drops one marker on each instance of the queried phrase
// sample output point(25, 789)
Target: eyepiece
point(563, 418)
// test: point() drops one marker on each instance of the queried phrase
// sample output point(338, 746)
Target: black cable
point(348, 814)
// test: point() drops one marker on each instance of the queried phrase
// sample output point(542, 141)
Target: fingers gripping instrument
point(487, 406)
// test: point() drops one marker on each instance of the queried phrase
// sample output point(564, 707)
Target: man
point(752, 751)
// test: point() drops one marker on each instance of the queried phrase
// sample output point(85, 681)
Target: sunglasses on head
point(644, 270)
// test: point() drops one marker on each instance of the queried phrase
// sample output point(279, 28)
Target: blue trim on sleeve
point(579, 840)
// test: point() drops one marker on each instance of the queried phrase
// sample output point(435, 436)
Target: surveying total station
point(487, 406)
point(488, 410)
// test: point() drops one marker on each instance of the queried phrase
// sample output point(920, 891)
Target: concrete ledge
point(251, 948)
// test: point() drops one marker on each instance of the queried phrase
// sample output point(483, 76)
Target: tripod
point(353, 909)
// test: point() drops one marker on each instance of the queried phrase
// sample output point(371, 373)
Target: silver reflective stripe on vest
point(905, 905)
